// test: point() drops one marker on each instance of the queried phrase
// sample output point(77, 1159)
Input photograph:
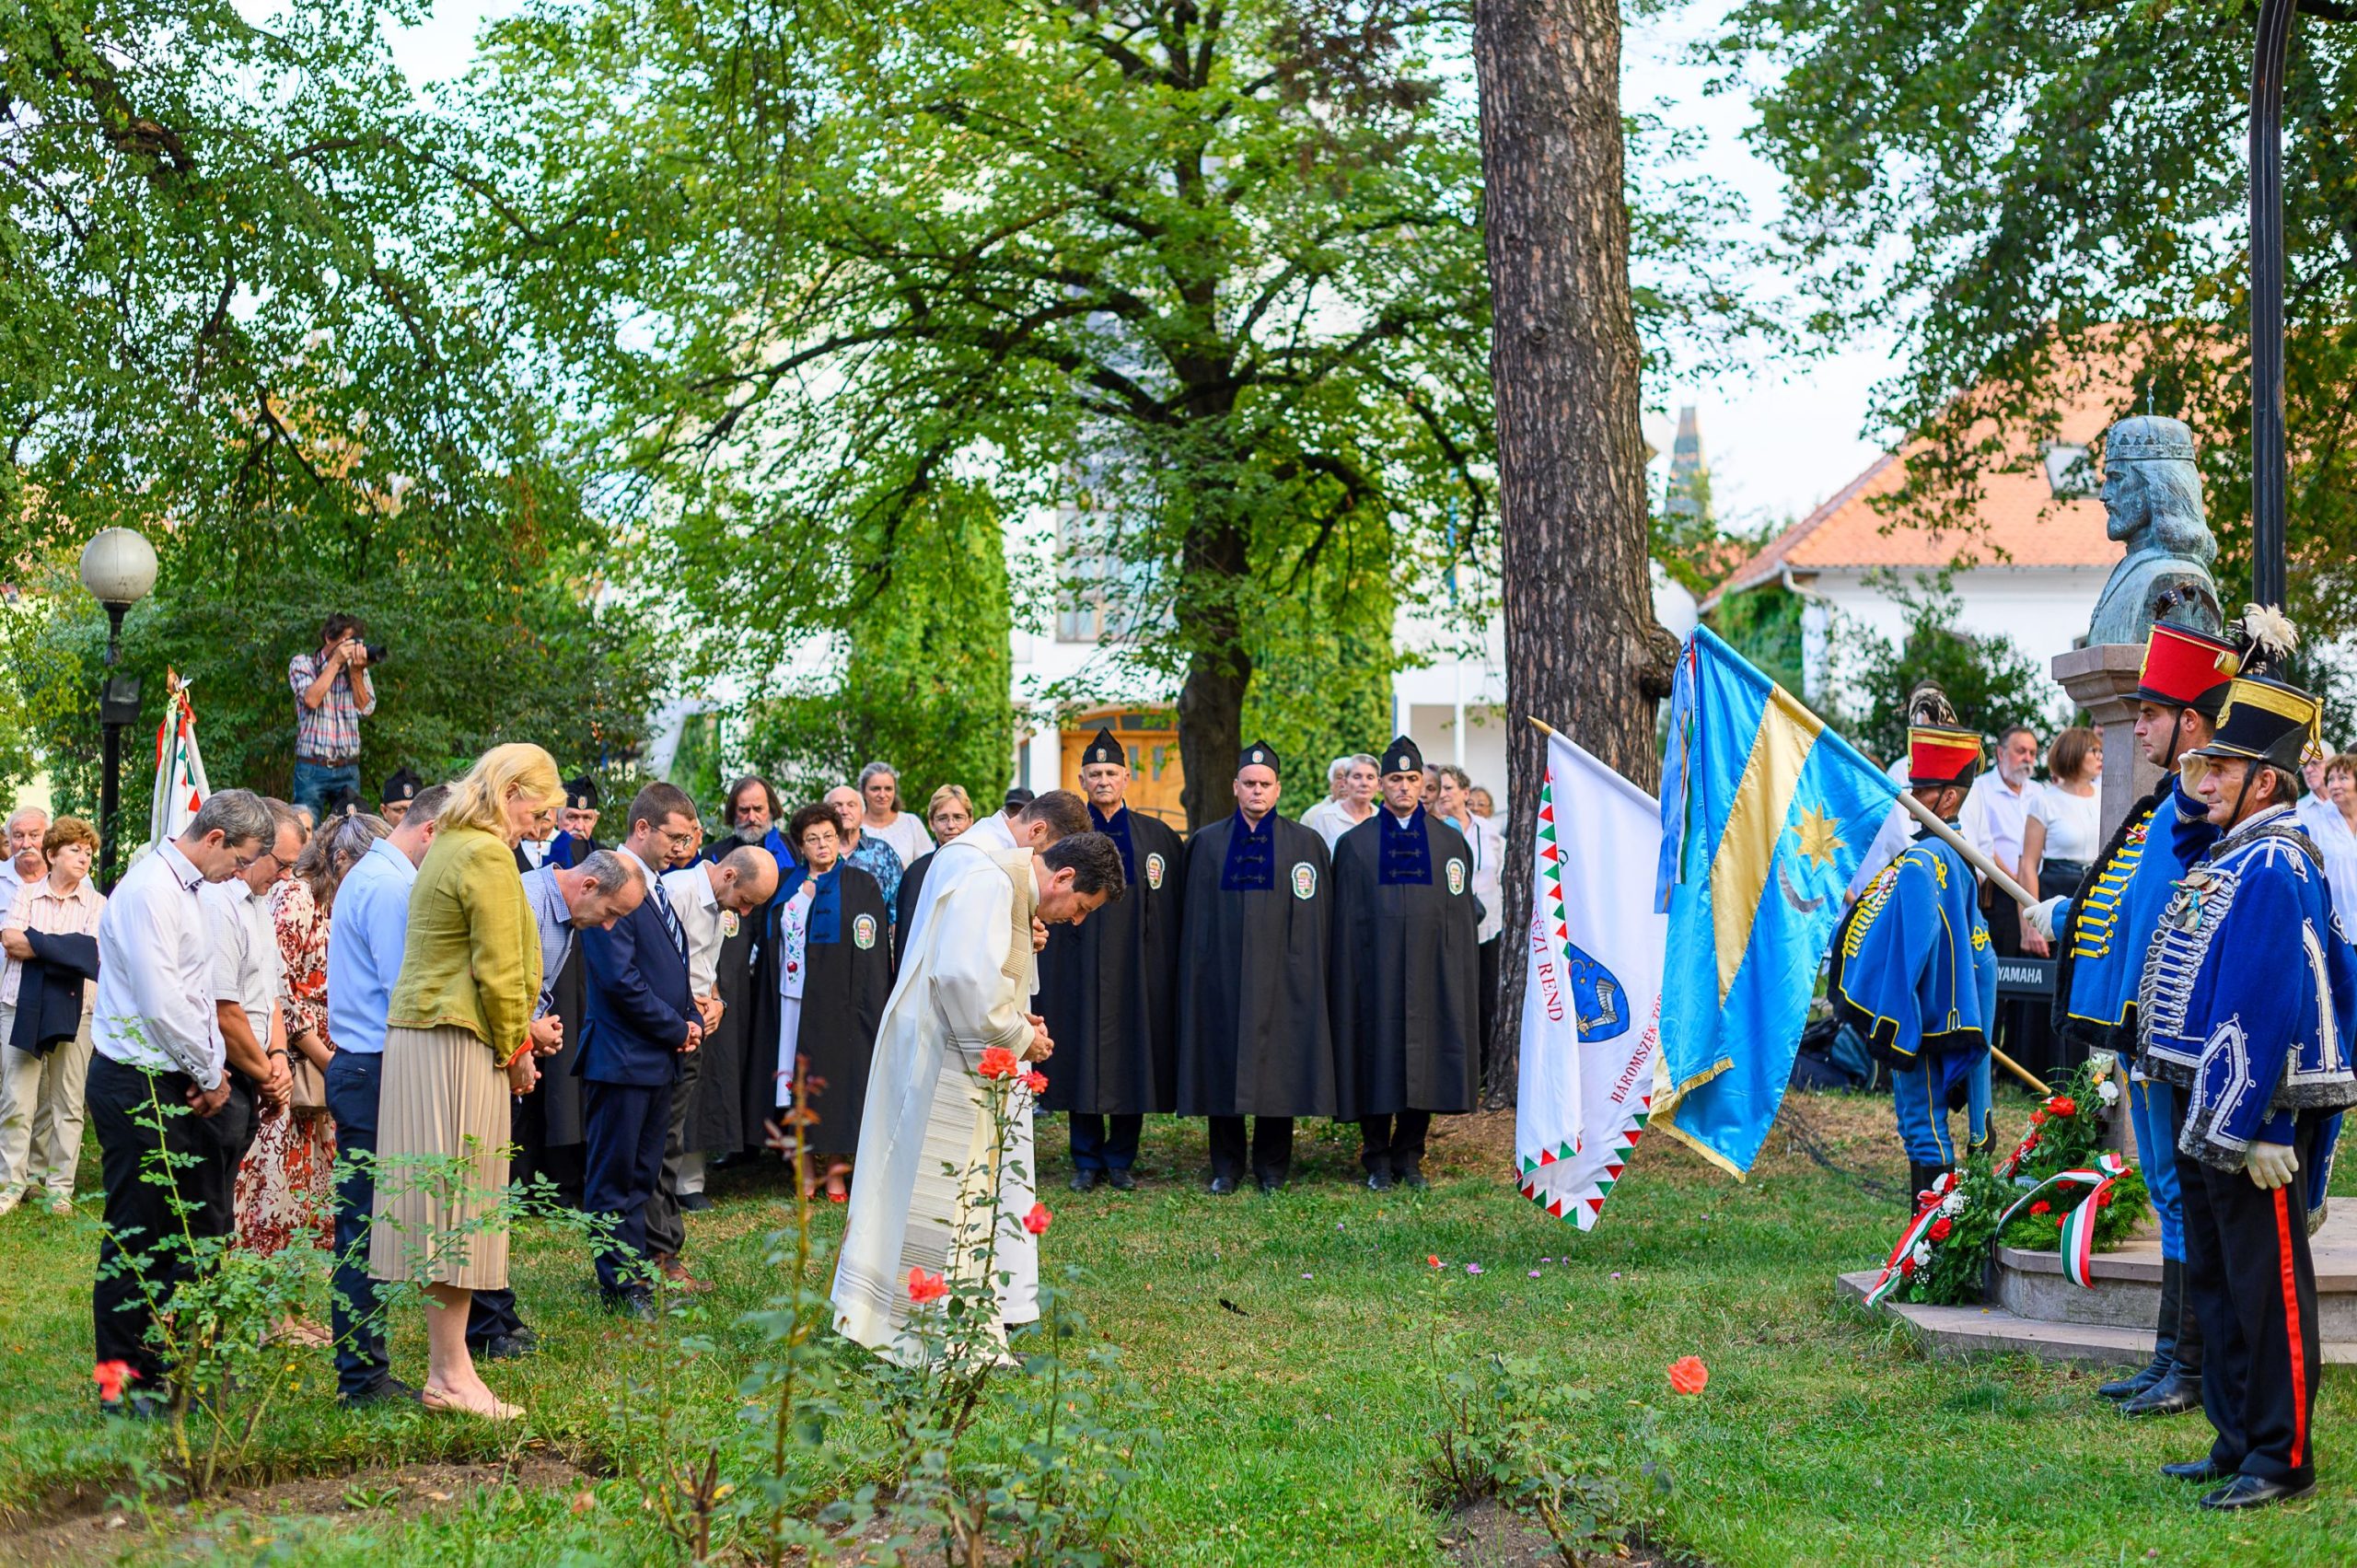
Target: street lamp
point(119, 568)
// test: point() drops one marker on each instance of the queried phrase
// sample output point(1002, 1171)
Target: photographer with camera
point(331, 696)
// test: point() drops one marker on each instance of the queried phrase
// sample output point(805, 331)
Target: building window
point(1099, 597)
point(2070, 473)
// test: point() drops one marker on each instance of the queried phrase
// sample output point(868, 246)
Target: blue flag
point(1765, 817)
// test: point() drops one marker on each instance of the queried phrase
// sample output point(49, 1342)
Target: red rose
point(924, 1287)
point(998, 1062)
point(110, 1376)
point(2040, 1207)
point(1036, 1221)
point(2063, 1105)
point(1036, 1081)
point(2103, 1200)
point(1939, 1229)
point(1433, 1260)
point(1907, 1265)
point(1688, 1376)
point(2037, 1118)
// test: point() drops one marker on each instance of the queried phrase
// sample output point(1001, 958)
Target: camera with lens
point(376, 653)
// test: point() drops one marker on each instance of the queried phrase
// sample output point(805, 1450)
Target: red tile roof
point(2015, 520)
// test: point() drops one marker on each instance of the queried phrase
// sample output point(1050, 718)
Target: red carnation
point(2040, 1207)
point(2065, 1188)
point(924, 1287)
point(1907, 1265)
point(998, 1062)
point(2037, 1118)
point(1939, 1229)
point(110, 1376)
point(2063, 1105)
point(1036, 1221)
point(2103, 1200)
point(2060, 1220)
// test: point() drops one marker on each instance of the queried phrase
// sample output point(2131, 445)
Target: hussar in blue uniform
point(1913, 971)
point(2100, 934)
point(2246, 998)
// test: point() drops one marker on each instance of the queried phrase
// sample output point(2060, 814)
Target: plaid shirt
point(331, 732)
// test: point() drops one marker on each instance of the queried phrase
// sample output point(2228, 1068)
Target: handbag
point(310, 1084)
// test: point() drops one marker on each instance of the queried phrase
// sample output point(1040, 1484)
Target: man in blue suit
point(639, 1019)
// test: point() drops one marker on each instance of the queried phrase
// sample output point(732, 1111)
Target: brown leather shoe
point(669, 1265)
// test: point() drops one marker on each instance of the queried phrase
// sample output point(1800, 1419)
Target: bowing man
point(1108, 988)
point(1254, 1038)
point(1407, 972)
point(1913, 971)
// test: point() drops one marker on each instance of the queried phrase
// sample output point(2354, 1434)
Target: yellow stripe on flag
point(1747, 848)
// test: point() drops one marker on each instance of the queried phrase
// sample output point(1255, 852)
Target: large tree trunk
point(1219, 671)
point(1583, 650)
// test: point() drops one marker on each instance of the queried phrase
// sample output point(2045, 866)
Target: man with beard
point(1254, 1037)
point(1406, 973)
point(577, 824)
point(1107, 989)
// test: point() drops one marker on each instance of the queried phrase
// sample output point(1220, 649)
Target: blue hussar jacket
point(1913, 971)
point(2247, 995)
point(2100, 935)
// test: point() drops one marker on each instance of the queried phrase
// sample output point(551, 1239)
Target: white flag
point(180, 772)
point(1591, 1001)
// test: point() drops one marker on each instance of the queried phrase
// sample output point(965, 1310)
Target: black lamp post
point(2267, 468)
point(119, 568)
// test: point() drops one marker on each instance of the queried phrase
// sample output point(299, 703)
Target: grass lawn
point(1296, 1426)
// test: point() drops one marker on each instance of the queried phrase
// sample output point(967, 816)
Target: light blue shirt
point(556, 933)
point(364, 942)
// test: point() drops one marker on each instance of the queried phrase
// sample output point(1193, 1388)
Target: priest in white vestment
point(929, 1150)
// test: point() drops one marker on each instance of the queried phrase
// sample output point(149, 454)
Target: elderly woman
point(457, 1046)
point(48, 930)
point(2335, 832)
point(833, 971)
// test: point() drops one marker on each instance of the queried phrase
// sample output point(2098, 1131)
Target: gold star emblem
point(1821, 835)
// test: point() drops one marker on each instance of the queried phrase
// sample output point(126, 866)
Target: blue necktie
point(671, 921)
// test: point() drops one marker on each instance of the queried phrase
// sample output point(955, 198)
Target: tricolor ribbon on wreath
point(1893, 1271)
point(2079, 1225)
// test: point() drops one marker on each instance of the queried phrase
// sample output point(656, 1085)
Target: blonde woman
point(457, 1045)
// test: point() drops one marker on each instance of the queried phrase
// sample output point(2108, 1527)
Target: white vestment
point(926, 1140)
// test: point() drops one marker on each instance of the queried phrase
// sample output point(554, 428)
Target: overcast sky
point(1780, 437)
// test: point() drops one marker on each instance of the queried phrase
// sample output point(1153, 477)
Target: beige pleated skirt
point(442, 1137)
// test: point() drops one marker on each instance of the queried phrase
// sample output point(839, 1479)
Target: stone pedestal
point(2102, 679)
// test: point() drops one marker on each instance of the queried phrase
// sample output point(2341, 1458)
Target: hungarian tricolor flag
point(180, 772)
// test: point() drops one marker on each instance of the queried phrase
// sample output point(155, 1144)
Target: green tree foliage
point(234, 314)
point(1225, 262)
point(926, 678)
point(2047, 202)
point(1993, 683)
point(1763, 625)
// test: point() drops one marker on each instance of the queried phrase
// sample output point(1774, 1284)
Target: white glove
point(2040, 917)
point(2270, 1165)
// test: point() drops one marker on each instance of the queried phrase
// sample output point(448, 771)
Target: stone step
point(2127, 1293)
point(1949, 1331)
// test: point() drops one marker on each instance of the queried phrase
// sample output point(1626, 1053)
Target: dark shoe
point(1378, 1182)
point(693, 1202)
point(2178, 1391)
point(637, 1304)
point(1120, 1181)
point(1222, 1184)
point(2253, 1491)
point(508, 1347)
point(380, 1392)
point(1272, 1183)
point(1082, 1180)
point(134, 1406)
point(1415, 1178)
point(2202, 1468)
point(2163, 1338)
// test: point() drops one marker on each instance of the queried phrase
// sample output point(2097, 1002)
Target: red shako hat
point(1937, 755)
point(2185, 668)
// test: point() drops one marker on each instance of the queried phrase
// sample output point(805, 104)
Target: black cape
point(904, 905)
point(559, 1091)
point(1407, 970)
point(1253, 1034)
point(842, 1004)
point(716, 1120)
point(1108, 989)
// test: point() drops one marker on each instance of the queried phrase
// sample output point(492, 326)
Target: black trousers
point(1486, 1009)
point(145, 1253)
point(1106, 1143)
point(1394, 1143)
point(558, 1164)
point(627, 1124)
point(2254, 1290)
point(1271, 1146)
point(666, 1227)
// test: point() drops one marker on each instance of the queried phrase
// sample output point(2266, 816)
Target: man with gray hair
point(712, 900)
point(25, 864)
point(566, 901)
point(1350, 783)
point(158, 1044)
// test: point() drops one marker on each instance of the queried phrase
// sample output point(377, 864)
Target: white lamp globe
point(118, 567)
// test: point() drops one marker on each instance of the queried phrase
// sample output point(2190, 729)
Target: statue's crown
point(2145, 439)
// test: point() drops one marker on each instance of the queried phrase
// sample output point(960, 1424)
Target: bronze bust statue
point(2152, 495)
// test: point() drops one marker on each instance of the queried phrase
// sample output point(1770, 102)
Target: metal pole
point(111, 758)
point(2267, 465)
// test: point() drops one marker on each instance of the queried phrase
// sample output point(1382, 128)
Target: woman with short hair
point(42, 1069)
point(2335, 831)
point(827, 941)
point(457, 1048)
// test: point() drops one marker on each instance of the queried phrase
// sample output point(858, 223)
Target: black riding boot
point(2179, 1388)
point(2164, 1337)
point(1920, 1178)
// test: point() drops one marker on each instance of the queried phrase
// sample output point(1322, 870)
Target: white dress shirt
point(698, 909)
point(1993, 817)
point(246, 968)
point(155, 1005)
point(1329, 820)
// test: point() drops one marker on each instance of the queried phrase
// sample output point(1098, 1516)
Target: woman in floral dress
point(284, 1183)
